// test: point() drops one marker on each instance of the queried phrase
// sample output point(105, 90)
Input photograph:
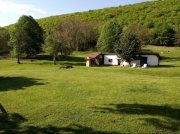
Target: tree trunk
point(54, 59)
point(18, 59)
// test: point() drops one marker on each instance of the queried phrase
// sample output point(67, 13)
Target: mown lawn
point(41, 98)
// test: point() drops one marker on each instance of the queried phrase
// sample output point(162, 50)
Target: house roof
point(92, 55)
point(149, 53)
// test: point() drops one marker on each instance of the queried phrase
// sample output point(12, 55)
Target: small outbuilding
point(94, 59)
point(151, 59)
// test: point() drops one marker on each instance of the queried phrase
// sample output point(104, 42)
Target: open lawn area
point(40, 98)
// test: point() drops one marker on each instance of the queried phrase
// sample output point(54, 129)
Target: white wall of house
point(110, 60)
point(87, 63)
point(152, 60)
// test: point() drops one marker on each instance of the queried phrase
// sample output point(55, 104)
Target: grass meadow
point(40, 98)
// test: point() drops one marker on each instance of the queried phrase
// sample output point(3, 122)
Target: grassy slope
point(47, 99)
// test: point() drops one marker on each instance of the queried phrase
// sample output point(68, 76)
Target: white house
point(152, 60)
point(111, 59)
point(99, 59)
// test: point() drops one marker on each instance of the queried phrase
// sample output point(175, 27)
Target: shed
point(94, 59)
point(151, 59)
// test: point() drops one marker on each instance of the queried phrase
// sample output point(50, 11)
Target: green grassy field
point(41, 98)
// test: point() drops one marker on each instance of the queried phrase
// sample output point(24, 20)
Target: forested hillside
point(160, 17)
point(153, 22)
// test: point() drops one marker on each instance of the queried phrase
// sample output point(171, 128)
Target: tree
point(22, 40)
point(140, 31)
point(26, 37)
point(4, 38)
point(29, 27)
point(77, 34)
point(164, 35)
point(109, 36)
point(70, 34)
point(128, 46)
point(55, 42)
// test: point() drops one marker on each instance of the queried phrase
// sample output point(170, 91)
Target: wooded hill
point(159, 16)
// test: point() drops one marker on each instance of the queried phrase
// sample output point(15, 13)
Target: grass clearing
point(41, 98)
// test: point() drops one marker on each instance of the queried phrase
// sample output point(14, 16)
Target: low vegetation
point(41, 98)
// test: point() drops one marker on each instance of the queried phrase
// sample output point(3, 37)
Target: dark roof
point(93, 55)
point(109, 54)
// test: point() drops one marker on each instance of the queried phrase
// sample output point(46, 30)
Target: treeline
point(155, 23)
point(72, 34)
point(161, 17)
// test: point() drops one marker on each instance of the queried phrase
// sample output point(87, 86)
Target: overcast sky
point(11, 10)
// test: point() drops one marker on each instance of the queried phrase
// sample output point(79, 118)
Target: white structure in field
point(111, 59)
point(99, 59)
point(152, 60)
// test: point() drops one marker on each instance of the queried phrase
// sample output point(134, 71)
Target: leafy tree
point(33, 31)
point(4, 38)
point(164, 35)
point(128, 46)
point(140, 31)
point(109, 36)
point(168, 34)
point(22, 40)
point(77, 34)
point(26, 37)
point(56, 43)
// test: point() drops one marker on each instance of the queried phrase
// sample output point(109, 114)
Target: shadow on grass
point(2, 109)
point(166, 66)
point(144, 89)
point(73, 63)
point(42, 57)
point(60, 58)
point(170, 58)
point(11, 124)
point(16, 83)
point(171, 116)
point(71, 60)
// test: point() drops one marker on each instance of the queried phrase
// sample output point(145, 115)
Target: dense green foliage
point(43, 99)
point(4, 38)
point(56, 45)
point(140, 31)
point(152, 22)
point(34, 32)
point(177, 37)
point(155, 22)
point(69, 35)
point(109, 36)
point(27, 36)
point(128, 46)
point(155, 15)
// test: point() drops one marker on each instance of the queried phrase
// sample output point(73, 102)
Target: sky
point(11, 10)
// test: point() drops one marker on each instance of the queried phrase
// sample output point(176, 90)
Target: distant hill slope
point(152, 14)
